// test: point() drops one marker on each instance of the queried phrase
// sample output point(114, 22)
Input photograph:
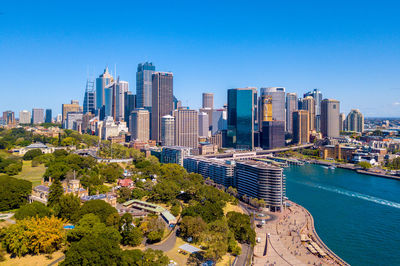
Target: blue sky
point(350, 50)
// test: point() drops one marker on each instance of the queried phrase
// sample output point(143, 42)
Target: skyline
point(349, 59)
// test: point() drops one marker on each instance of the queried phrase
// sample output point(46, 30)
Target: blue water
point(357, 216)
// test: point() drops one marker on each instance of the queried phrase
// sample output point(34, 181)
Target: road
point(167, 244)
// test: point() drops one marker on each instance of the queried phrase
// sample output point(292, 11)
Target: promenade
point(284, 246)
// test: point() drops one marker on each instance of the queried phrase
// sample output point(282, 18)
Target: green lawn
point(33, 174)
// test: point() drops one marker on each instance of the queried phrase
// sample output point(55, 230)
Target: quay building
point(253, 179)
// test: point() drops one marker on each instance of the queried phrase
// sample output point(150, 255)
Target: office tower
point(162, 104)
point(219, 121)
point(291, 106)
point(109, 91)
point(330, 110)
point(342, 120)
point(167, 130)
point(208, 100)
point(265, 108)
point(144, 84)
point(301, 127)
point(9, 118)
point(262, 181)
point(209, 113)
point(119, 100)
point(278, 102)
point(355, 121)
point(25, 117)
point(72, 107)
point(140, 124)
point(203, 124)
point(129, 104)
point(186, 128)
point(37, 116)
point(308, 104)
point(317, 95)
point(74, 121)
point(89, 101)
point(174, 154)
point(48, 117)
point(272, 134)
point(242, 103)
point(101, 83)
point(86, 127)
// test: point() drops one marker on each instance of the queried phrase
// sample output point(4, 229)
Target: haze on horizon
point(348, 50)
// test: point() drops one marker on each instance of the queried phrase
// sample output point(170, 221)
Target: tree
point(93, 250)
point(240, 225)
point(13, 169)
point(13, 192)
point(111, 172)
point(29, 155)
point(56, 170)
point(113, 220)
point(155, 236)
point(34, 236)
point(192, 227)
point(55, 192)
point(34, 209)
point(91, 226)
point(132, 237)
point(124, 194)
point(98, 207)
point(68, 207)
point(138, 193)
point(149, 257)
point(365, 165)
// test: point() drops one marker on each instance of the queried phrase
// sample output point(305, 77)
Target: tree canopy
point(13, 192)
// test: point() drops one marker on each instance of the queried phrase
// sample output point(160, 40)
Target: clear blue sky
point(348, 49)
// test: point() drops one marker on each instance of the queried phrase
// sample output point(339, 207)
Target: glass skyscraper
point(317, 95)
point(89, 101)
point(144, 84)
point(241, 118)
point(101, 82)
point(48, 116)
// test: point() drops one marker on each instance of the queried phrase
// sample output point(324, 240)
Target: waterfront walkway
point(283, 245)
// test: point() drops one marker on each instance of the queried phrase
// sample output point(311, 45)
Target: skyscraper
point(265, 108)
point(101, 82)
point(291, 106)
point(140, 124)
point(89, 101)
point(186, 128)
point(167, 130)
point(48, 117)
point(119, 102)
point(219, 121)
point(308, 104)
point(109, 98)
point(208, 100)
point(9, 118)
point(242, 103)
point(25, 117)
point(301, 127)
point(129, 104)
point(144, 84)
point(330, 110)
point(342, 120)
point(203, 124)
point(317, 95)
point(37, 116)
point(278, 102)
point(273, 134)
point(72, 107)
point(162, 104)
point(355, 121)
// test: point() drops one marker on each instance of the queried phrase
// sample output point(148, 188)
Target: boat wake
point(353, 194)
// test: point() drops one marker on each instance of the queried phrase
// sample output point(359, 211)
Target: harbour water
point(357, 216)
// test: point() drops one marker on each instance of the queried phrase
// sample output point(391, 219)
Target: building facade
point(273, 134)
point(9, 118)
point(48, 116)
point(25, 117)
point(144, 84)
point(73, 107)
point(308, 104)
point(242, 105)
point(278, 102)
point(101, 83)
point(37, 116)
point(208, 100)
point(355, 121)
point(317, 95)
point(330, 110)
point(162, 101)
point(168, 130)
point(301, 127)
point(203, 124)
point(140, 124)
point(291, 106)
point(186, 128)
point(262, 181)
